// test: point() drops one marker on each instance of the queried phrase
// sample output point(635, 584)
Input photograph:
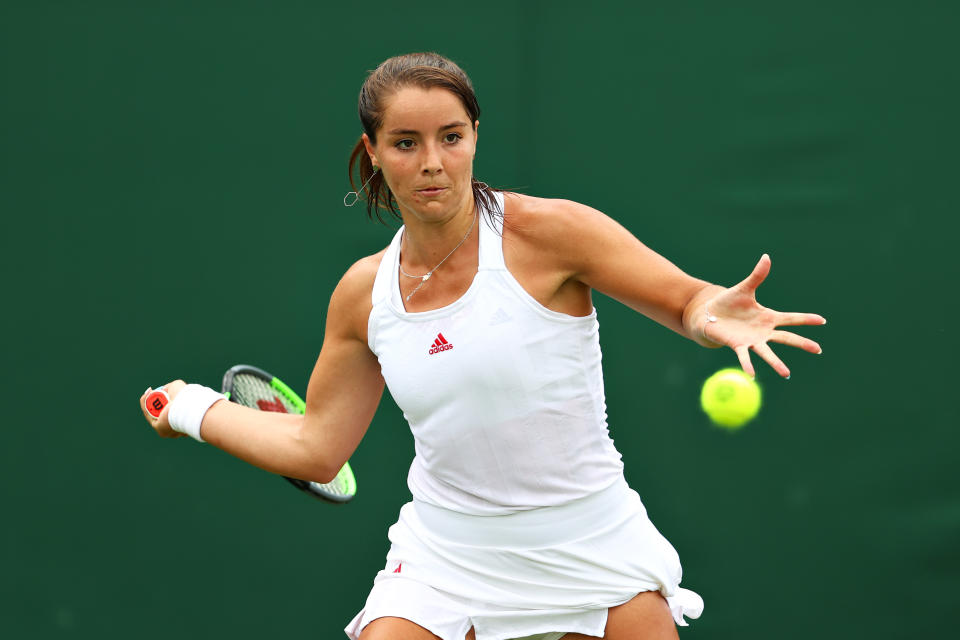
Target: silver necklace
point(426, 276)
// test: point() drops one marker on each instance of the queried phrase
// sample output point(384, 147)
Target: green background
point(171, 177)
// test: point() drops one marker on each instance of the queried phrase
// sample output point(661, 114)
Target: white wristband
point(189, 407)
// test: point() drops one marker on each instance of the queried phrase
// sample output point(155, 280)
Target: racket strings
point(251, 391)
point(338, 485)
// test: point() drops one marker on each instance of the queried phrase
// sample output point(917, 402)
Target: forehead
point(414, 108)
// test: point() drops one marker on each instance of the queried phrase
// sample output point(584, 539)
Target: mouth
point(431, 191)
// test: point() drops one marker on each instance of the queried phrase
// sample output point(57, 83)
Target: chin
point(436, 207)
point(445, 200)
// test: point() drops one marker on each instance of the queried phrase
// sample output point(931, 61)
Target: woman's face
point(425, 150)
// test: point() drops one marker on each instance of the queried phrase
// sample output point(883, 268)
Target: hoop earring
point(355, 194)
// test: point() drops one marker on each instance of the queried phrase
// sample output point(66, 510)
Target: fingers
point(160, 424)
point(758, 275)
point(793, 340)
point(764, 351)
point(743, 354)
point(173, 388)
point(800, 319)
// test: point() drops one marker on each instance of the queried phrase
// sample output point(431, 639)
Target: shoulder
point(552, 218)
point(361, 274)
point(562, 229)
point(526, 210)
point(351, 301)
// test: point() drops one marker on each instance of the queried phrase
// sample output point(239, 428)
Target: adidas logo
point(440, 344)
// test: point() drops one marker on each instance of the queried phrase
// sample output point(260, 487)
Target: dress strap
point(387, 270)
point(491, 238)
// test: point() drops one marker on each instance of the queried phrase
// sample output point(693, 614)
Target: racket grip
point(156, 401)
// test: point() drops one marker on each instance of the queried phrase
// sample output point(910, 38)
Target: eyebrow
point(452, 125)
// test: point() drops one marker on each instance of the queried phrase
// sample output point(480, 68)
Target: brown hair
point(423, 70)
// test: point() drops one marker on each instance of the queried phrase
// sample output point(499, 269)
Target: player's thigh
point(646, 617)
point(395, 629)
point(399, 629)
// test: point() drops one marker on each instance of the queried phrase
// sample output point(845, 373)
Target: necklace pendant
point(427, 276)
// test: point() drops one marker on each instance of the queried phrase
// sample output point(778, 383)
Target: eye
point(452, 138)
point(404, 144)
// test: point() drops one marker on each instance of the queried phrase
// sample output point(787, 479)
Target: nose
point(432, 164)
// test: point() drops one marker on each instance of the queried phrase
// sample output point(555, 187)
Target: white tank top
point(504, 396)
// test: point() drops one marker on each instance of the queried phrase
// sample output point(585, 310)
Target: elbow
point(312, 465)
point(321, 458)
point(323, 476)
point(309, 473)
point(322, 471)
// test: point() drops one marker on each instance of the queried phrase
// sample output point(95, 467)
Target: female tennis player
point(479, 319)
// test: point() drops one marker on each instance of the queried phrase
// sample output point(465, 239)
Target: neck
point(427, 242)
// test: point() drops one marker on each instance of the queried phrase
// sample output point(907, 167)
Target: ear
point(369, 147)
point(476, 129)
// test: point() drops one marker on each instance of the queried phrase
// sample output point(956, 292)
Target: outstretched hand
point(735, 319)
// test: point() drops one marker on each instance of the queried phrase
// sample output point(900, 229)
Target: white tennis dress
point(521, 524)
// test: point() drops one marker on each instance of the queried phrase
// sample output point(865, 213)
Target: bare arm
point(342, 397)
point(589, 249)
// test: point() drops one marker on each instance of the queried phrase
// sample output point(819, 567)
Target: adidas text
point(440, 344)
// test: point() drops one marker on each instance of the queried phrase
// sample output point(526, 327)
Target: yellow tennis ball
point(731, 398)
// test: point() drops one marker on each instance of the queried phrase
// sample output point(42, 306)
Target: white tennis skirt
point(532, 574)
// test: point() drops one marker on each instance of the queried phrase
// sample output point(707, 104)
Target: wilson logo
point(440, 344)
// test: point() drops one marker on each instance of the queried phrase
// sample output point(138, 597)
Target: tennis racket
point(257, 389)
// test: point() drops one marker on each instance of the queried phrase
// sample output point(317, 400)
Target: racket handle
point(156, 401)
